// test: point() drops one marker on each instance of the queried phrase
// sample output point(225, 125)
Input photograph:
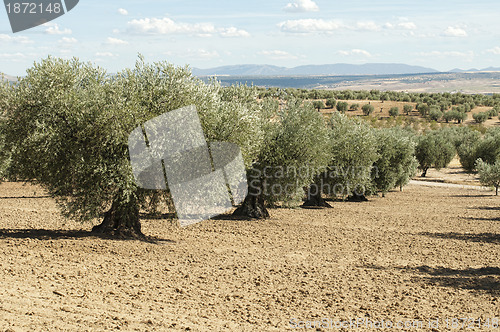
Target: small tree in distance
point(394, 111)
point(368, 109)
point(331, 102)
point(434, 150)
point(342, 106)
point(407, 109)
point(489, 174)
point(319, 105)
point(480, 117)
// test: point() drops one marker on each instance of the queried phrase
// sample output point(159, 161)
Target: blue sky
point(442, 34)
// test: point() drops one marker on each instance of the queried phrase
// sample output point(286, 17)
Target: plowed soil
point(423, 254)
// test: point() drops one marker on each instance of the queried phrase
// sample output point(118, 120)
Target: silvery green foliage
point(396, 164)
point(5, 93)
point(69, 123)
point(353, 151)
point(489, 174)
point(295, 150)
point(434, 149)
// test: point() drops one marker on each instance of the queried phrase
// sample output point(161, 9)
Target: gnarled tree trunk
point(122, 219)
point(314, 197)
point(253, 206)
point(424, 173)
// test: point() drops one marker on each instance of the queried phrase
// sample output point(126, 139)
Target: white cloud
point(278, 55)
point(366, 26)
point(455, 32)
point(116, 41)
point(355, 52)
point(202, 54)
point(494, 50)
point(15, 39)
point(104, 54)
point(122, 11)
point(234, 32)
point(12, 56)
point(309, 25)
point(319, 25)
point(68, 40)
point(53, 29)
point(301, 6)
point(405, 25)
point(166, 26)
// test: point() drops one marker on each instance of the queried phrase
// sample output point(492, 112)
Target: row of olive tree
point(66, 125)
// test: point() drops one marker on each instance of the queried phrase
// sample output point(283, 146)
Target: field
point(424, 253)
point(382, 108)
point(468, 82)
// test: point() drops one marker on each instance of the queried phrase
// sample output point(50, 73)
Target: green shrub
point(368, 109)
point(331, 102)
point(407, 109)
point(480, 117)
point(354, 107)
point(489, 174)
point(434, 150)
point(319, 105)
point(394, 111)
point(342, 106)
point(435, 113)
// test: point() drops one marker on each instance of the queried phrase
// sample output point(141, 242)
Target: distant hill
point(474, 70)
point(340, 69)
point(8, 77)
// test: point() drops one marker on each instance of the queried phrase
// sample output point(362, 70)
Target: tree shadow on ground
point(481, 218)
point(474, 195)
point(49, 234)
point(481, 237)
point(158, 216)
point(486, 208)
point(25, 197)
point(481, 279)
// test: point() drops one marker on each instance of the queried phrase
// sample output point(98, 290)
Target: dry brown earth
point(424, 253)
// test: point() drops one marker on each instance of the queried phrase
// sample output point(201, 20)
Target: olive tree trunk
point(254, 204)
point(122, 219)
point(314, 197)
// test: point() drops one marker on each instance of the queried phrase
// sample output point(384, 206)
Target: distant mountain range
point(340, 69)
point(474, 70)
point(9, 78)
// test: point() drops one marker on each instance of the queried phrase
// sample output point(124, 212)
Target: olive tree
point(394, 111)
point(68, 127)
point(367, 109)
point(434, 150)
point(480, 117)
point(294, 151)
point(407, 109)
point(319, 105)
point(331, 102)
point(352, 149)
point(6, 90)
point(396, 163)
point(489, 174)
point(342, 106)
